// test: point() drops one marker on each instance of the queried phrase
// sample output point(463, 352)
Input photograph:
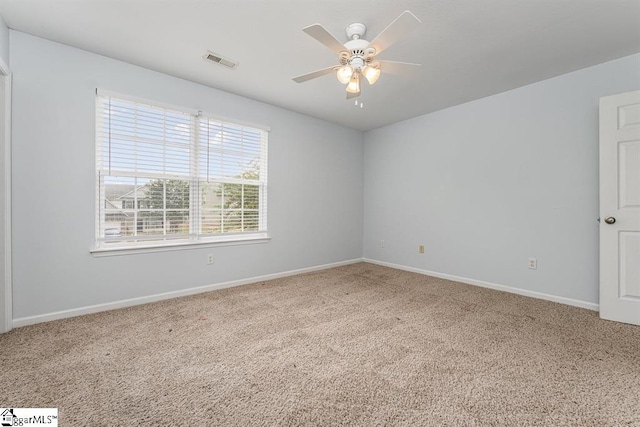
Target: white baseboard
point(504, 288)
point(30, 320)
point(24, 321)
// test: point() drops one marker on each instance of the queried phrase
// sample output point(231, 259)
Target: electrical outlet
point(210, 259)
point(382, 243)
point(421, 249)
point(533, 263)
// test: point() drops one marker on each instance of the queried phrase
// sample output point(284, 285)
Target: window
point(166, 176)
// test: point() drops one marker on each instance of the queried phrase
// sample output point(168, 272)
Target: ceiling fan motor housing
point(359, 53)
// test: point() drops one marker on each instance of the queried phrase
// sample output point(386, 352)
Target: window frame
point(191, 240)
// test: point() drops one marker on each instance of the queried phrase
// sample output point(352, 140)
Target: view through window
point(169, 175)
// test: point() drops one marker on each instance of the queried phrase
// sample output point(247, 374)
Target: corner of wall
point(4, 41)
point(5, 182)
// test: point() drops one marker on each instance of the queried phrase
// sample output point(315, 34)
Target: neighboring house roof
point(137, 193)
point(116, 193)
point(112, 205)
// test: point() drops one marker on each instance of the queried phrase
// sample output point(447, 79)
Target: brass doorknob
point(610, 220)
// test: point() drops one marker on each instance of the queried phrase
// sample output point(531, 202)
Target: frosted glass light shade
point(354, 84)
point(344, 74)
point(371, 74)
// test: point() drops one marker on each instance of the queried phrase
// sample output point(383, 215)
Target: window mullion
point(136, 206)
point(242, 207)
point(222, 209)
point(195, 226)
point(164, 207)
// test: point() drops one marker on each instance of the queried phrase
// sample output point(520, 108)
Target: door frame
point(6, 323)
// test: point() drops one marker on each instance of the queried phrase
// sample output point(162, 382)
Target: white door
point(620, 207)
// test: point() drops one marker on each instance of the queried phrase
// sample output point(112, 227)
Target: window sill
point(178, 246)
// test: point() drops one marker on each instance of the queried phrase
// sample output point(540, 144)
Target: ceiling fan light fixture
point(354, 84)
point(344, 74)
point(356, 57)
point(371, 73)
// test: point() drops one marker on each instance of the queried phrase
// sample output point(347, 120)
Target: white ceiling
point(469, 48)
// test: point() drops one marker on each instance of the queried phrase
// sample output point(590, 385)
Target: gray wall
point(487, 184)
point(315, 185)
point(4, 41)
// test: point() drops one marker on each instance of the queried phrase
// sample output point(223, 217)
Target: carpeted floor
point(356, 345)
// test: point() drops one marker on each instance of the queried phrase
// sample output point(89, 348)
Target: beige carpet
point(356, 345)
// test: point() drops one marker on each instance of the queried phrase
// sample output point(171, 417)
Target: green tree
point(175, 193)
point(241, 202)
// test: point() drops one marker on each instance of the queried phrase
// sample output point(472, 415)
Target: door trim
point(6, 324)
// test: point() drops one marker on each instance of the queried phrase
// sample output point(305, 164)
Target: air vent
point(219, 59)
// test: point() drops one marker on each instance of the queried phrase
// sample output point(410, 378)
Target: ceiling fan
point(357, 57)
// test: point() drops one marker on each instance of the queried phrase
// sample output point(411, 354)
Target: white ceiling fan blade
point(319, 33)
point(397, 68)
point(401, 27)
point(305, 77)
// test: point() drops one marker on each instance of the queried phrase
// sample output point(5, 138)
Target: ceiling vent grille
point(219, 59)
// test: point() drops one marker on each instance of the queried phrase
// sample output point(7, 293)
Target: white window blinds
point(165, 174)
